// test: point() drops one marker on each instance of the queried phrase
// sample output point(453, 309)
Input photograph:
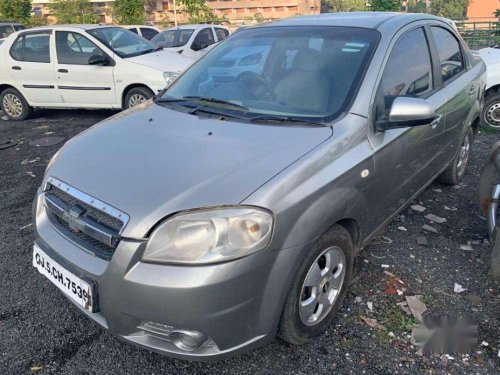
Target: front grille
point(77, 217)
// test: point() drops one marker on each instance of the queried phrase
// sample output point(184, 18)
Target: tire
point(490, 118)
point(456, 171)
point(136, 96)
point(14, 106)
point(294, 327)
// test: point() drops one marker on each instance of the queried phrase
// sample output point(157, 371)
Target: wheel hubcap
point(12, 105)
point(322, 286)
point(463, 156)
point(136, 99)
point(492, 115)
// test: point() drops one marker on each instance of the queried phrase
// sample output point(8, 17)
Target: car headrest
point(307, 60)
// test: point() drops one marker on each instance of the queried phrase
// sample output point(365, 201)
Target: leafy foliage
point(73, 11)
point(130, 12)
point(385, 5)
point(417, 6)
point(497, 13)
point(450, 8)
point(198, 11)
point(343, 5)
point(36, 20)
point(15, 10)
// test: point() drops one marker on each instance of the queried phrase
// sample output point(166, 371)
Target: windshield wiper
point(216, 101)
point(285, 119)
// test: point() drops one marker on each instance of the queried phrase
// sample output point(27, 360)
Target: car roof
point(371, 20)
point(195, 26)
point(71, 26)
point(9, 23)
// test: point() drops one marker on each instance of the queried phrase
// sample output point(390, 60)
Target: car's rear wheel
point(319, 287)
point(14, 106)
point(455, 172)
point(136, 96)
point(491, 112)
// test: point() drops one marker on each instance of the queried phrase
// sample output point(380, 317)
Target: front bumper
point(235, 305)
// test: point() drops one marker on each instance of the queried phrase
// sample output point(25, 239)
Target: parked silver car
point(225, 212)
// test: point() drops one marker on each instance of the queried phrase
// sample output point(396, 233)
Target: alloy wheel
point(492, 115)
point(463, 156)
point(136, 99)
point(322, 286)
point(12, 105)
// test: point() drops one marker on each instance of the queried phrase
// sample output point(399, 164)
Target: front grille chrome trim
point(83, 224)
point(91, 201)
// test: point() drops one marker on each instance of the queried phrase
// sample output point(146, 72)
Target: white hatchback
point(82, 66)
point(191, 41)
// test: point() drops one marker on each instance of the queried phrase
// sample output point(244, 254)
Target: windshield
point(305, 72)
point(172, 38)
point(5, 31)
point(122, 41)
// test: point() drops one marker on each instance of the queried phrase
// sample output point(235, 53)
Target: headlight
point(170, 77)
point(209, 236)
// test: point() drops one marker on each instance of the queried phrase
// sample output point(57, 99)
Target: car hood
point(150, 162)
point(164, 61)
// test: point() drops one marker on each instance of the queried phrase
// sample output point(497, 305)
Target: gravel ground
point(41, 332)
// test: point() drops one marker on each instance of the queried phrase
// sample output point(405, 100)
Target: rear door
point(405, 159)
point(459, 87)
point(31, 65)
point(79, 83)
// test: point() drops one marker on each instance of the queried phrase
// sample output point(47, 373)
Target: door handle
point(436, 121)
point(63, 70)
point(15, 67)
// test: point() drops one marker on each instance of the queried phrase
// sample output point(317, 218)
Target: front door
point(31, 66)
point(81, 84)
point(405, 159)
point(201, 41)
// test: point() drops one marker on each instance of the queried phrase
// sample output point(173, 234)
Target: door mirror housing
point(197, 46)
point(407, 112)
point(99, 60)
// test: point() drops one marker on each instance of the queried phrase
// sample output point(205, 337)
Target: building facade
point(483, 9)
point(237, 12)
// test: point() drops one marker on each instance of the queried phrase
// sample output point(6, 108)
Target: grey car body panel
point(152, 162)
point(186, 161)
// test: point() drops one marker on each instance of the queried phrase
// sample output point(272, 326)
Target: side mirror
point(99, 60)
point(199, 46)
point(407, 112)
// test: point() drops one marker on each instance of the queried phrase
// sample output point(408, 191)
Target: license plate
point(71, 285)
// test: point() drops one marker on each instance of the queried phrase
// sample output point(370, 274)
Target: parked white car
point(491, 112)
point(81, 66)
point(191, 41)
point(147, 32)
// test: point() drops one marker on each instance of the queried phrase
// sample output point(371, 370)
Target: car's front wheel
point(491, 112)
point(136, 96)
point(14, 106)
point(319, 287)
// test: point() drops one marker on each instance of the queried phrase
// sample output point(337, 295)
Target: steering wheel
point(261, 88)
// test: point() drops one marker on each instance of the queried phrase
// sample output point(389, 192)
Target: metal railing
point(479, 34)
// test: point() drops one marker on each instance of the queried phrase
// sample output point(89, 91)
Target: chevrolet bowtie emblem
point(72, 215)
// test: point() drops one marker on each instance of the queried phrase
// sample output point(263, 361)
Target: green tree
point(130, 12)
point(497, 13)
point(198, 11)
point(343, 5)
point(417, 6)
point(73, 11)
point(450, 8)
point(385, 5)
point(36, 20)
point(15, 10)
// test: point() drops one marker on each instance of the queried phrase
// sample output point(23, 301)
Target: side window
point(204, 39)
point(134, 30)
point(32, 48)
point(408, 71)
point(450, 55)
point(221, 33)
point(148, 33)
point(75, 49)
